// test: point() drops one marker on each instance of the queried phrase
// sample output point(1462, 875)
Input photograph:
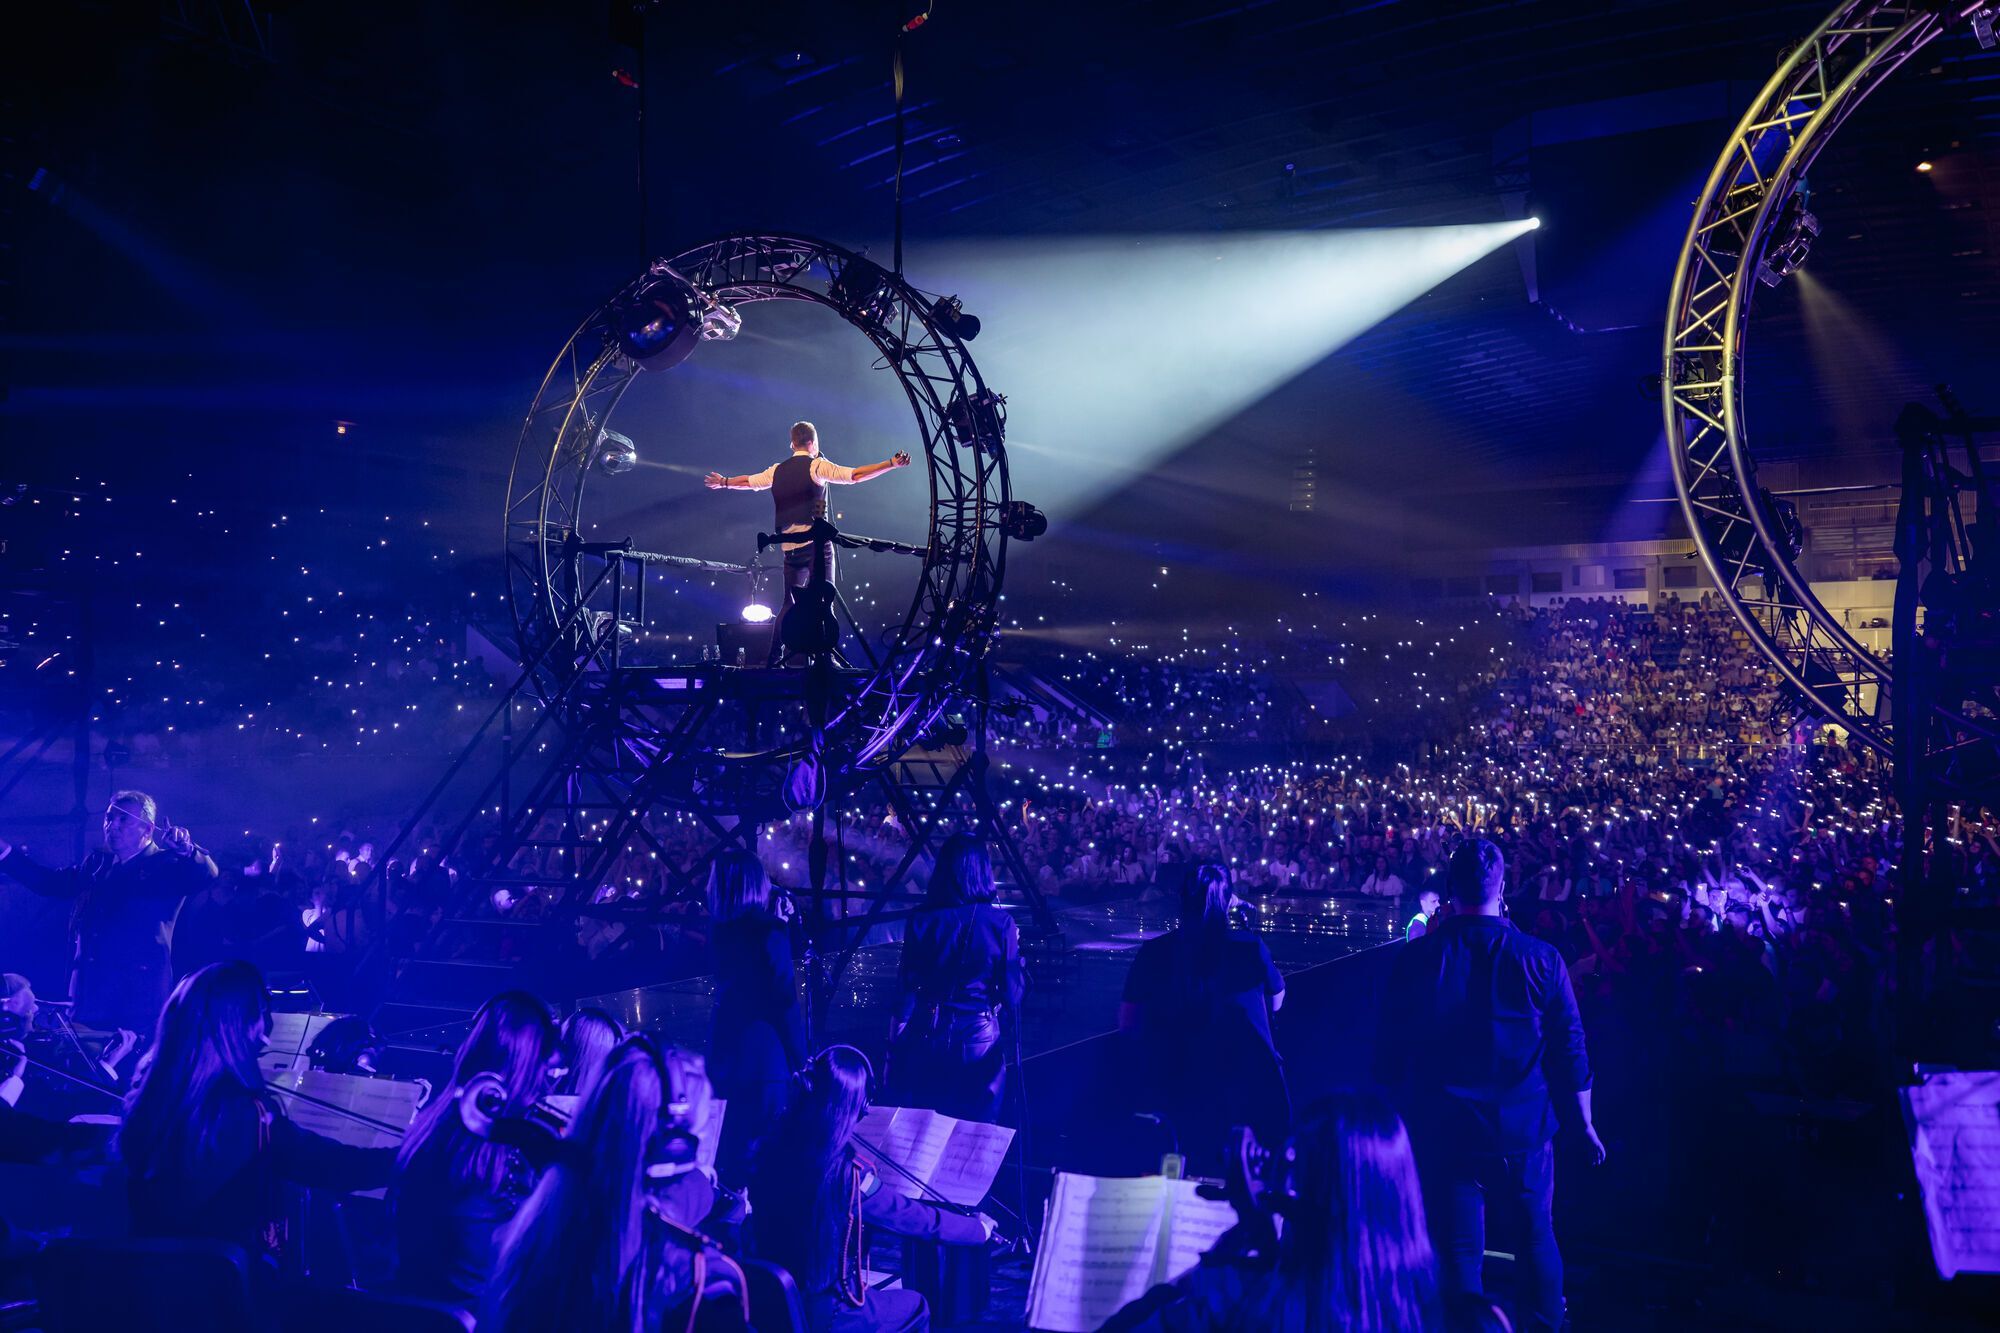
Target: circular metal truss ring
point(921, 665)
point(1737, 528)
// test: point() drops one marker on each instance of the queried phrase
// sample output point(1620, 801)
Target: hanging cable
point(896, 70)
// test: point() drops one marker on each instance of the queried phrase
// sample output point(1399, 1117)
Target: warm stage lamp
point(658, 322)
point(615, 453)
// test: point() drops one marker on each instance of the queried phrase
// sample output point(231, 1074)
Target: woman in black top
point(1353, 1256)
point(596, 1248)
point(812, 1202)
point(453, 1189)
point(1198, 1003)
point(961, 961)
point(757, 1033)
point(206, 1148)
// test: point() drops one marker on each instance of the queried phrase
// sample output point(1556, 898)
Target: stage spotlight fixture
point(658, 323)
point(1791, 241)
point(720, 323)
point(1021, 521)
point(615, 453)
point(979, 422)
point(950, 314)
point(1923, 166)
point(864, 293)
point(757, 614)
point(1534, 224)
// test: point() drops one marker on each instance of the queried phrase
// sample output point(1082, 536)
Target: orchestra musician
point(812, 1201)
point(453, 1189)
point(206, 1147)
point(126, 897)
point(1352, 1253)
point(588, 1036)
point(961, 962)
point(598, 1245)
point(798, 494)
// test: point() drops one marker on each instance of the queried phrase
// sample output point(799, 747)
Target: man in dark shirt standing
point(126, 896)
point(1482, 1046)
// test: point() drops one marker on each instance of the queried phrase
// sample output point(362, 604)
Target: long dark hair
point(1355, 1256)
point(801, 1169)
point(963, 873)
point(203, 1061)
point(737, 884)
point(513, 1036)
point(588, 1037)
point(573, 1257)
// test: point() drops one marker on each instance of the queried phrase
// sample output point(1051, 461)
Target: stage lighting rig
point(1791, 240)
point(864, 293)
point(720, 323)
point(758, 614)
point(1021, 521)
point(658, 321)
point(949, 312)
point(615, 453)
point(978, 421)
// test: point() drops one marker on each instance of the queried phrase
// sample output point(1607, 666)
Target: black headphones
point(675, 1146)
point(820, 1067)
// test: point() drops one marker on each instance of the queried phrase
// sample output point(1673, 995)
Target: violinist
point(206, 1148)
point(588, 1036)
point(453, 1189)
point(798, 492)
point(1351, 1254)
point(601, 1243)
point(811, 1199)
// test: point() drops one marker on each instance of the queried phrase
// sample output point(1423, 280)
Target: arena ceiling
point(470, 169)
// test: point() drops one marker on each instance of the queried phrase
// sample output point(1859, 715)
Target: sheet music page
point(389, 1100)
point(1954, 1124)
point(1197, 1224)
point(972, 1155)
point(912, 1137)
point(290, 1037)
point(1098, 1242)
point(708, 1130)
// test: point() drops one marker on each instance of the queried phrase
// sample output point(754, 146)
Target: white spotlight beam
point(1117, 351)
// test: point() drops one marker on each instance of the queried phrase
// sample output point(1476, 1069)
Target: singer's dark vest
point(799, 498)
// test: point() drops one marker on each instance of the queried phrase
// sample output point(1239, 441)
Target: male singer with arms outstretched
point(798, 492)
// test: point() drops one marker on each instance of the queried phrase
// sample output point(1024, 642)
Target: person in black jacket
point(811, 1201)
point(1197, 1012)
point(126, 897)
point(206, 1148)
point(1483, 1049)
point(453, 1190)
point(961, 962)
point(757, 1032)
